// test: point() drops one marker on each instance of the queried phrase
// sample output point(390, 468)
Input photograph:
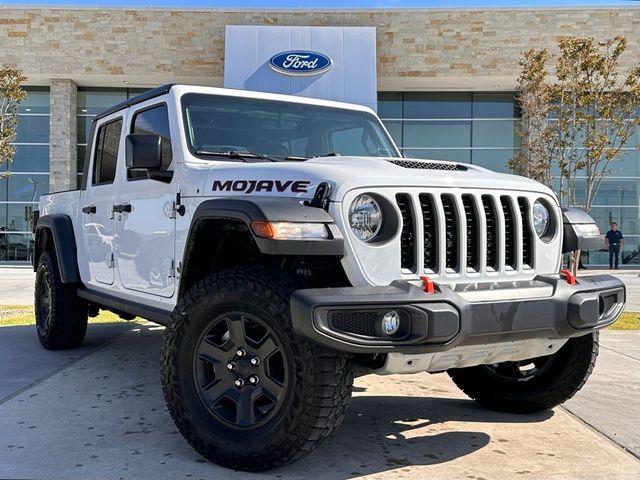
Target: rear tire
point(61, 317)
point(301, 392)
point(531, 385)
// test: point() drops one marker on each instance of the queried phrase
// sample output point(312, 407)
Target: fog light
point(390, 323)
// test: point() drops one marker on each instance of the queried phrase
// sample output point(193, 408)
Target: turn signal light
point(290, 230)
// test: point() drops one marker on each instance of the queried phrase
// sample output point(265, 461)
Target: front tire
point(242, 388)
point(531, 385)
point(61, 317)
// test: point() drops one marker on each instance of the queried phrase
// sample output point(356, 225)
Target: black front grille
point(429, 231)
point(471, 215)
point(359, 323)
point(499, 232)
point(427, 165)
point(451, 231)
point(492, 240)
point(527, 234)
point(509, 233)
point(407, 251)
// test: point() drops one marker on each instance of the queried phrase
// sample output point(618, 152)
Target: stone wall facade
point(63, 159)
point(151, 46)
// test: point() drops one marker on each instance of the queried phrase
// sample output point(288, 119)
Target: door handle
point(121, 208)
point(90, 209)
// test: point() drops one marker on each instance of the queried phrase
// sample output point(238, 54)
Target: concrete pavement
point(103, 417)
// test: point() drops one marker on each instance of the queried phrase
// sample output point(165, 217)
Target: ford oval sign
point(300, 63)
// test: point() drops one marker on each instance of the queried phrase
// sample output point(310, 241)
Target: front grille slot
point(429, 231)
point(451, 232)
point(359, 323)
point(492, 240)
point(527, 234)
point(407, 250)
point(471, 215)
point(509, 233)
point(607, 303)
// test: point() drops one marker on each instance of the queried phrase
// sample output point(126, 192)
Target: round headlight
point(365, 217)
point(541, 218)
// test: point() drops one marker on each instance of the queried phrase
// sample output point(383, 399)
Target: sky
point(322, 3)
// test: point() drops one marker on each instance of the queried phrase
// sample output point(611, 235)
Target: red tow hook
point(428, 285)
point(570, 277)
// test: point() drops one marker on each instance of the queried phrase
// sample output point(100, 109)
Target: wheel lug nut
point(231, 366)
point(239, 382)
point(241, 352)
point(255, 361)
point(254, 380)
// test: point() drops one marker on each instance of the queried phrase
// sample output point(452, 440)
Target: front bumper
point(348, 319)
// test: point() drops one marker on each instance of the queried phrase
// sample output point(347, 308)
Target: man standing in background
point(614, 240)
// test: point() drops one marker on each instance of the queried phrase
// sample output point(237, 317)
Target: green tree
point(11, 94)
point(579, 123)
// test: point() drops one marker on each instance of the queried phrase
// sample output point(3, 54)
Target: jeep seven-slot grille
point(498, 232)
point(407, 252)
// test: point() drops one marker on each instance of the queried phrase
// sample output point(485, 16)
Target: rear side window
point(106, 156)
point(155, 121)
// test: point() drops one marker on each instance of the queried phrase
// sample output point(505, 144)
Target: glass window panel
point(37, 101)
point(395, 130)
point(17, 216)
point(84, 127)
point(610, 192)
point(30, 158)
point(81, 152)
point(16, 246)
point(27, 187)
point(33, 129)
point(495, 133)
point(437, 134)
point(627, 218)
point(630, 255)
point(462, 155)
point(495, 160)
point(4, 188)
point(390, 105)
point(494, 105)
point(107, 146)
point(94, 101)
point(437, 105)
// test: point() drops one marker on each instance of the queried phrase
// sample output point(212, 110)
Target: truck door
point(99, 197)
point(145, 222)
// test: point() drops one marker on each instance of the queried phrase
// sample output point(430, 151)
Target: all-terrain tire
point(315, 392)
point(558, 379)
point(61, 316)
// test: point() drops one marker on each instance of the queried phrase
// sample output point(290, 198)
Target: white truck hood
point(343, 173)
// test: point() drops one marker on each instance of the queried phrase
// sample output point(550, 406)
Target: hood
point(345, 173)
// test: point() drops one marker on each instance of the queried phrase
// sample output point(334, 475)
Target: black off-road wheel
point(242, 388)
point(61, 317)
point(531, 385)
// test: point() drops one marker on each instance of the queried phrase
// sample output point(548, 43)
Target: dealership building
point(442, 80)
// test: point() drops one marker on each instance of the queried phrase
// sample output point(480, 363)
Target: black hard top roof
point(149, 94)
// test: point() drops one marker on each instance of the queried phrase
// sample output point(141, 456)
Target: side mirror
point(143, 152)
point(580, 231)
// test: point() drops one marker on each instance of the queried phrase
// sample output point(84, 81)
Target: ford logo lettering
point(300, 63)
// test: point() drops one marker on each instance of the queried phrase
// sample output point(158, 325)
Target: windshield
point(279, 130)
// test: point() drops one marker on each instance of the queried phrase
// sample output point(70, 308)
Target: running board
point(156, 315)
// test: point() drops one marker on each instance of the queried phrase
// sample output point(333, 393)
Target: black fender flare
point(60, 229)
point(274, 209)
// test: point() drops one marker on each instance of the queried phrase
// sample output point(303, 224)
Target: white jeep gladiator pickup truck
point(287, 245)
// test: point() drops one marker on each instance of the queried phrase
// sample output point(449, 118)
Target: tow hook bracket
point(568, 276)
point(428, 285)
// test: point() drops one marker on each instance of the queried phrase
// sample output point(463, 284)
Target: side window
point(155, 121)
point(106, 152)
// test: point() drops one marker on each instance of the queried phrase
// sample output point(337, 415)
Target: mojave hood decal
point(250, 186)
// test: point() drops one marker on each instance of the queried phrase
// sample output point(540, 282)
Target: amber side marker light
point(290, 230)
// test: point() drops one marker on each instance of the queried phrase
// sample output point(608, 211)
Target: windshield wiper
point(235, 154)
point(330, 154)
point(293, 158)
